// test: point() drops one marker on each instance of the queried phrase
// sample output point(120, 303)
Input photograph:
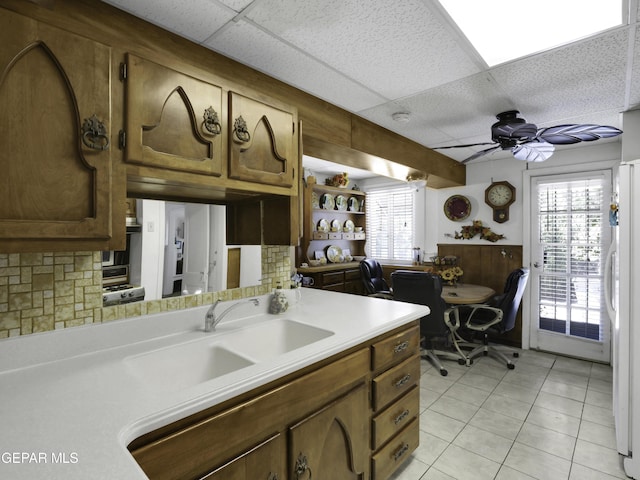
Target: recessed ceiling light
point(502, 30)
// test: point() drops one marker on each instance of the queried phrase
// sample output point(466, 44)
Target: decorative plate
point(335, 226)
point(457, 207)
point(315, 202)
point(349, 226)
point(323, 225)
point(341, 203)
point(327, 202)
point(334, 253)
point(354, 204)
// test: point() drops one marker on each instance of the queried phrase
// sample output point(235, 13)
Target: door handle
point(537, 264)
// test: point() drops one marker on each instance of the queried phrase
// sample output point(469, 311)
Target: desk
point(465, 293)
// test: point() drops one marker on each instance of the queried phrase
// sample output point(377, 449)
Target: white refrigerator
point(624, 304)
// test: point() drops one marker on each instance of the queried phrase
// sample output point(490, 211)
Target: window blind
point(390, 224)
point(571, 224)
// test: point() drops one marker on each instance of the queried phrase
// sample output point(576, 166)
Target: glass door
point(570, 239)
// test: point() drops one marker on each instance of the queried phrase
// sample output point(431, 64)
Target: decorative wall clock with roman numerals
point(499, 196)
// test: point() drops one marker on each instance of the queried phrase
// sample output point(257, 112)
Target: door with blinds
point(570, 237)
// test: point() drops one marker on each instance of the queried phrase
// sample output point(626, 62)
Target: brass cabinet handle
point(301, 467)
point(401, 347)
point(403, 381)
point(94, 133)
point(400, 452)
point(401, 417)
point(211, 122)
point(240, 130)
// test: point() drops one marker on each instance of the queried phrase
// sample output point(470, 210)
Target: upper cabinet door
point(55, 133)
point(262, 141)
point(173, 120)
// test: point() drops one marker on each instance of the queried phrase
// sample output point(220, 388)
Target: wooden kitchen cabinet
point(173, 121)
point(332, 443)
point(263, 141)
point(320, 422)
point(266, 461)
point(58, 180)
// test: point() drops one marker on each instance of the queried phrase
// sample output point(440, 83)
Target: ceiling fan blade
point(533, 151)
point(574, 133)
point(463, 146)
point(480, 154)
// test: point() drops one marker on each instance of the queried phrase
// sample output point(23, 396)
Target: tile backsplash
point(47, 291)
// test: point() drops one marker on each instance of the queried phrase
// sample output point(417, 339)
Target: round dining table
point(466, 293)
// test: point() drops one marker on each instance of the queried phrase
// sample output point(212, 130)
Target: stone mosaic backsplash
point(47, 291)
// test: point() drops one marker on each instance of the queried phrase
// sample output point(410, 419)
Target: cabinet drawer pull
point(240, 132)
point(301, 467)
point(401, 347)
point(400, 452)
point(403, 381)
point(401, 417)
point(94, 133)
point(211, 122)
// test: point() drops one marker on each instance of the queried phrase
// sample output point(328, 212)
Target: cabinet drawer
point(395, 417)
point(387, 460)
point(332, 277)
point(395, 382)
point(352, 274)
point(393, 349)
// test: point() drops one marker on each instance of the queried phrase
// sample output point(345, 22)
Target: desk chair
point(374, 283)
point(494, 319)
point(425, 288)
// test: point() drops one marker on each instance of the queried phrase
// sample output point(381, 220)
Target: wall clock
point(499, 196)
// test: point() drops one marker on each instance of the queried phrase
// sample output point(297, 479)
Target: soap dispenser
point(279, 302)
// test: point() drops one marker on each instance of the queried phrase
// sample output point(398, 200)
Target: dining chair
point(373, 280)
point(491, 320)
point(425, 288)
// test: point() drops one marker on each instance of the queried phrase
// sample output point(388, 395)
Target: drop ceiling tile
point(195, 19)
point(236, 5)
point(394, 48)
point(254, 47)
point(583, 77)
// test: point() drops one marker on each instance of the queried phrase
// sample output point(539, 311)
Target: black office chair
point(374, 283)
point(425, 288)
point(485, 321)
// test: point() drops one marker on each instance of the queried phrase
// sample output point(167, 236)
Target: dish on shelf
point(334, 254)
point(348, 226)
point(358, 229)
point(323, 225)
point(457, 207)
point(341, 203)
point(327, 202)
point(354, 204)
point(335, 226)
point(315, 201)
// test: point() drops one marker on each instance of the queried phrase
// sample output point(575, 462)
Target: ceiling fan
point(529, 143)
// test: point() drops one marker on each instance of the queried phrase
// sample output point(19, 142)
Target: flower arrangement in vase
point(451, 275)
point(340, 180)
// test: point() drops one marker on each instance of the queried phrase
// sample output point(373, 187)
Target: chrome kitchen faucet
point(211, 320)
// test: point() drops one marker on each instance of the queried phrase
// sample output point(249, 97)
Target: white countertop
point(69, 406)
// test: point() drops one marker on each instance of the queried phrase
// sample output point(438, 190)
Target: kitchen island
point(73, 400)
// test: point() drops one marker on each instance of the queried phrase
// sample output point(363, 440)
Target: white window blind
point(572, 228)
point(390, 225)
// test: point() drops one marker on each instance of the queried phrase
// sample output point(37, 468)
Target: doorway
point(570, 236)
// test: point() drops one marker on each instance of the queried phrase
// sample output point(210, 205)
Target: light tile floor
point(549, 418)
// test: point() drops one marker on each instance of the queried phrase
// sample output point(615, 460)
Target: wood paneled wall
point(489, 265)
